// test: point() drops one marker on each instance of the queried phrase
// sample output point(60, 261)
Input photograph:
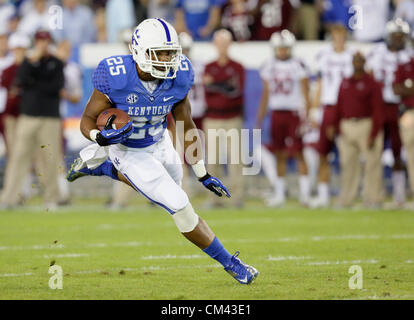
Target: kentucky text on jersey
point(117, 78)
point(149, 111)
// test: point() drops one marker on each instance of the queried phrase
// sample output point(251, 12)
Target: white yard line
point(320, 263)
point(9, 275)
point(287, 258)
point(173, 256)
point(283, 239)
point(66, 255)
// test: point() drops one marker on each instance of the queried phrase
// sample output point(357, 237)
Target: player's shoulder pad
point(112, 73)
point(184, 79)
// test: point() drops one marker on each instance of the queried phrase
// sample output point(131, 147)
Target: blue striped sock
point(216, 251)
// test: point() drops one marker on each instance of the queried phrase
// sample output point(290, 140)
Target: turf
point(138, 253)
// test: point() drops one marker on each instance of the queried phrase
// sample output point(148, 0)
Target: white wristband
point(93, 133)
point(199, 169)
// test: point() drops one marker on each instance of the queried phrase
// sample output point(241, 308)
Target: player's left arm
point(182, 112)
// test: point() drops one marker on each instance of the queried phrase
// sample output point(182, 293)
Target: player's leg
point(51, 147)
point(349, 153)
point(398, 173)
point(324, 146)
point(407, 136)
point(295, 148)
point(373, 171)
point(149, 177)
point(279, 133)
point(304, 180)
point(18, 166)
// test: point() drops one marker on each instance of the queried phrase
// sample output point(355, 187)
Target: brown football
point(121, 118)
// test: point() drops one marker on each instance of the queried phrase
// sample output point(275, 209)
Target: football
point(121, 118)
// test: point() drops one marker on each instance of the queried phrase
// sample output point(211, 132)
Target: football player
point(148, 84)
point(383, 61)
point(286, 93)
point(333, 64)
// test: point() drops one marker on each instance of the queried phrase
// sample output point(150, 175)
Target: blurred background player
point(286, 93)
point(272, 16)
point(404, 87)
point(237, 19)
point(359, 112)
point(383, 61)
point(224, 81)
point(38, 131)
point(198, 18)
point(18, 44)
point(333, 64)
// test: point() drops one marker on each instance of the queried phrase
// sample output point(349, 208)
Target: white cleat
point(318, 203)
point(275, 202)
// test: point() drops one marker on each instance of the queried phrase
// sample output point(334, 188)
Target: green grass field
point(139, 254)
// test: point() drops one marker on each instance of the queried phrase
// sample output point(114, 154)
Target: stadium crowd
point(365, 109)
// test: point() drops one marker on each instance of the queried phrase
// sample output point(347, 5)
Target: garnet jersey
point(332, 67)
point(284, 80)
point(117, 78)
point(383, 63)
point(272, 16)
point(196, 94)
point(238, 20)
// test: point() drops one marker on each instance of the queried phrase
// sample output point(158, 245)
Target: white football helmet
point(283, 39)
point(397, 25)
point(150, 37)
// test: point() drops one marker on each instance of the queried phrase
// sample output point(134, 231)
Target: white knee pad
point(186, 219)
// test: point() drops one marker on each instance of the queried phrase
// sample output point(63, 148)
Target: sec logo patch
point(132, 98)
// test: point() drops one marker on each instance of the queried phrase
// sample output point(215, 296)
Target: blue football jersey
point(117, 78)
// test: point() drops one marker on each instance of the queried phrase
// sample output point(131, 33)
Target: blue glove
point(113, 136)
point(214, 185)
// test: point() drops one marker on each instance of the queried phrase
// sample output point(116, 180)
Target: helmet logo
point(134, 41)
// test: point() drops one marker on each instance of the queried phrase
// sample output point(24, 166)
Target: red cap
point(43, 34)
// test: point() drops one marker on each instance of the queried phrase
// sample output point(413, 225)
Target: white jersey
point(332, 67)
point(196, 94)
point(374, 16)
point(383, 63)
point(284, 80)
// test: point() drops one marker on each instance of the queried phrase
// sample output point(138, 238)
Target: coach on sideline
point(359, 111)
point(224, 87)
point(38, 129)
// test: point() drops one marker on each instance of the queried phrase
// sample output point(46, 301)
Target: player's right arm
point(97, 103)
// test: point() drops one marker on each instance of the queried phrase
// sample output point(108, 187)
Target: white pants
point(155, 171)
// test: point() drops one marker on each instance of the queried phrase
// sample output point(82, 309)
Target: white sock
point(323, 191)
point(304, 189)
point(280, 190)
point(398, 186)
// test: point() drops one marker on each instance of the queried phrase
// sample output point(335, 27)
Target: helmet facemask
point(148, 61)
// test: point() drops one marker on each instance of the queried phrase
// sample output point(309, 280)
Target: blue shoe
point(76, 169)
point(240, 271)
